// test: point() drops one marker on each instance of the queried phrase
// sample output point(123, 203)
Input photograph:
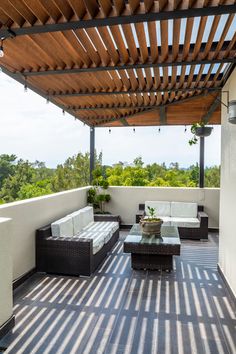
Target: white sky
point(32, 130)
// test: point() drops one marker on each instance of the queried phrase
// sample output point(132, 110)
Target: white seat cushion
point(106, 227)
point(183, 210)
point(97, 237)
point(63, 227)
point(162, 208)
point(77, 219)
point(185, 222)
point(87, 216)
point(166, 220)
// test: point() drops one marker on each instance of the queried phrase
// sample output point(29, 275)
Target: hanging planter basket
point(202, 131)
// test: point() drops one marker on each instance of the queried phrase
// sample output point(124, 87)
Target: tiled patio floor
point(118, 310)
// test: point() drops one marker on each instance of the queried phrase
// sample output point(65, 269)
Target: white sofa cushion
point(166, 220)
point(63, 227)
point(87, 216)
point(77, 219)
point(97, 237)
point(106, 227)
point(162, 208)
point(183, 210)
point(185, 222)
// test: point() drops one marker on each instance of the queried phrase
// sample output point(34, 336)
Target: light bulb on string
point(185, 129)
point(63, 112)
point(159, 130)
point(109, 131)
point(1, 49)
point(25, 85)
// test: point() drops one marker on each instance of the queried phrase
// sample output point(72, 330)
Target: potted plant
point(151, 224)
point(199, 130)
point(97, 195)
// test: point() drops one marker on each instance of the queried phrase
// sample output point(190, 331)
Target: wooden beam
point(162, 115)
point(125, 18)
point(108, 93)
point(124, 122)
point(211, 110)
point(152, 109)
point(145, 65)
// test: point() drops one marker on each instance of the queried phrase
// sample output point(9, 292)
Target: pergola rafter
point(119, 61)
point(160, 11)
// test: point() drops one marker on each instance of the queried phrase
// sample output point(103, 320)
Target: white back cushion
point(77, 219)
point(162, 208)
point(184, 210)
point(87, 216)
point(63, 227)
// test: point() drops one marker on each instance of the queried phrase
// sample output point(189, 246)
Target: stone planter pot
point(203, 131)
point(151, 227)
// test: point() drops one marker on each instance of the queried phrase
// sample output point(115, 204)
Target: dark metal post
point(201, 162)
point(92, 152)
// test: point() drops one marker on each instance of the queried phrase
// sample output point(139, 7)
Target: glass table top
point(169, 236)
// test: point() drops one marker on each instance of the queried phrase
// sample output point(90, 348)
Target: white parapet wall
point(28, 215)
point(125, 200)
point(5, 271)
point(227, 240)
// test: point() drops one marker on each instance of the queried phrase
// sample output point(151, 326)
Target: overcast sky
point(32, 130)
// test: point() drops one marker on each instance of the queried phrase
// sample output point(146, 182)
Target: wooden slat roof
point(122, 62)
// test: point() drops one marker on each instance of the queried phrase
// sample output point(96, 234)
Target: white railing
point(28, 215)
point(5, 271)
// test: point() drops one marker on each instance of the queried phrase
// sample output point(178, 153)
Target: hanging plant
point(199, 130)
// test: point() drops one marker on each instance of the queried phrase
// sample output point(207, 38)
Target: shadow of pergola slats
point(119, 310)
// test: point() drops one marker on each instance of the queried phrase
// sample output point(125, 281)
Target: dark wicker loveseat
point(69, 256)
point(186, 232)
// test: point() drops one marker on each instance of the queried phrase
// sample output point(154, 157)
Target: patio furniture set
point(77, 243)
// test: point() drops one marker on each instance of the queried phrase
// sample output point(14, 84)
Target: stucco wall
point(227, 246)
point(5, 270)
point(28, 215)
point(125, 200)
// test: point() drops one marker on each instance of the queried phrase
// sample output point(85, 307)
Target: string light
point(133, 129)
point(63, 112)
point(109, 131)
point(47, 99)
point(25, 85)
point(159, 130)
point(1, 49)
point(185, 129)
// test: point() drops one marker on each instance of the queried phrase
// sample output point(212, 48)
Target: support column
point(92, 152)
point(201, 162)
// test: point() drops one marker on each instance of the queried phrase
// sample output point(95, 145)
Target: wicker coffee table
point(151, 252)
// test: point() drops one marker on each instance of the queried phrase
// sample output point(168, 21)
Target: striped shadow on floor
point(118, 310)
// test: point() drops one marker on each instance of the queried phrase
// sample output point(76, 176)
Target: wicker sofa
point(190, 218)
point(75, 244)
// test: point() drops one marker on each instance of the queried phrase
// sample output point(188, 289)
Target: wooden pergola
point(122, 62)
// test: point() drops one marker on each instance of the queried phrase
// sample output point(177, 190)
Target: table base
point(152, 261)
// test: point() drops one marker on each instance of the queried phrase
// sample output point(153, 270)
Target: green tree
point(7, 167)
point(23, 174)
point(35, 190)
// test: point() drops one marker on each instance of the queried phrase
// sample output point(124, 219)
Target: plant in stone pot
point(151, 224)
point(97, 195)
point(199, 130)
